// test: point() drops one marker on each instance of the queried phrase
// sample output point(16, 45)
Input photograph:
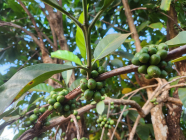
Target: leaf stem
point(86, 32)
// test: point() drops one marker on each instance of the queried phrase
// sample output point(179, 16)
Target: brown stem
point(77, 127)
point(56, 132)
point(132, 27)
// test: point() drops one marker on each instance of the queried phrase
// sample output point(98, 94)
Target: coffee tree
point(125, 87)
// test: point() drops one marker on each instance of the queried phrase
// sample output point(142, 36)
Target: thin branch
point(111, 25)
point(155, 85)
point(172, 20)
point(9, 46)
point(2, 23)
point(77, 127)
point(139, 8)
point(118, 121)
point(174, 100)
point(144, 8)
point(56, 132)
point(102, 133)
point(28, 59)
point(131, 25)
point(134, 128)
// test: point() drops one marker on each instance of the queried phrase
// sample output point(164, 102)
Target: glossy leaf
point(123, 54)
point(33, 98)
point(61, 83)
point(182, 95)
point(25, 79)
point(117, 63)
point(108, 44)
point(133, 115)
point(100, 107)
point(21, 102)
point(178, 59)
point(178, 40)
point(42, 87)
point(143, 25)
point(80, 41)
point(157, 25)
point(165, 5)
point(142, 132)
point(66, 55)
point(6, 113)
point(75, 84)
point(67, 74)
point(107, 3)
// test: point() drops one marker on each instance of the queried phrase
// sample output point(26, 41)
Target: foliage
point(108, 50)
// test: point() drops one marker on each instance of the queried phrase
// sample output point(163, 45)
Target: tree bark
point(56, 22)
point(174, 111)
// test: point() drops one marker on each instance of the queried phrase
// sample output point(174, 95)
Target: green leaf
point(165, 5)
point(21, 103)
point(108, 44)
point(116, 62)
point(142, 132)
point(34, 102)
point(100, 107)
point(143, 25)
point(33, 98)
point(182, 95)
point(123, 54)
point(25, 79)
point(178, 59)
point(67, 74)
point(106, 3)
point(133, 115)
point(6, 113)
point(80, 41)
point(66, 55)
point(58, 82)
point(178, 40)
point(75, 84)
point(157, 25)
point(42, 87)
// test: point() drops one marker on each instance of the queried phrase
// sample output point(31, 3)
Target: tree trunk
point(174, 111)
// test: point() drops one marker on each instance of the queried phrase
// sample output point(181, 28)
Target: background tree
point(31, 30)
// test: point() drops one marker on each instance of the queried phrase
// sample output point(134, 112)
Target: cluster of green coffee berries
point(92, 89)
point(56, 102)
point(33, 118)
point(151, 61)
point(83, 138)
point(104, 122)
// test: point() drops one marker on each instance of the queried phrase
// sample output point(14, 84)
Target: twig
point(56, 132)
point(176, 70)
point(139, 8)
point(134, 128)
point(128, 123)
point(171, 19)
point(155, 85)
point(102, 133)
point(118, 121)
point(9, 46)
point(77, 127)
point(28, 59)
point(112, 25)
point(131, 25)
